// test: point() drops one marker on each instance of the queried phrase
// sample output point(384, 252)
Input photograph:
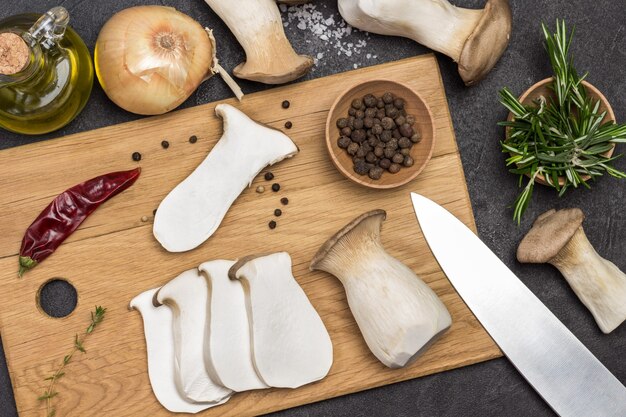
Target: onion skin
point(150, 59)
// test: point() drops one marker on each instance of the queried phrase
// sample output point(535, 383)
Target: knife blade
point(557, 365)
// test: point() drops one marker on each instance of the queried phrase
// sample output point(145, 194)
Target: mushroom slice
point(229, 352)
point(474, 38)
point(397, 313)
point(187, 296)
point(258, 27)
point(290, 345)
point(193, 210)
point(558, 238)
point(157, 324)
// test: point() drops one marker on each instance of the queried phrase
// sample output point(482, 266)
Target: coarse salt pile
point(331, 34)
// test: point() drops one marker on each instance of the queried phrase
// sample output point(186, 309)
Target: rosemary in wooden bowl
point(561, 139)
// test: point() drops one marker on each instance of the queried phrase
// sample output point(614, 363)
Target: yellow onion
point(150, 59)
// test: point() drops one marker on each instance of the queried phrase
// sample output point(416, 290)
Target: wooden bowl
point(541, 89)
point(420, 152)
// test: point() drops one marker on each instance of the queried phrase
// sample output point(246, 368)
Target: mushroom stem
point(597, 282)
point(558, 238)
point(397, 313)
point(258, 27)
point(474, 38)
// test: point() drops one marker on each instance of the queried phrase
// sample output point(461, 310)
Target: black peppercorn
point(388, 98)
point(379, 151)
point(398, 103)
point(408, 161)
point(278, 212)
point(370, 113)
point(136, 156)
point(389, 153)
point(275, 187)
point(284, 201)
point(272, 224)
point(373, 141)
point(377, 129)
point(269, 176)
point(165, 144)
point(360, 114)
point(404, 142)
point(380, 103)
point(286, 104)
point(380, 114)
point(358, 135)
point(288, 125)
point(396, 134)
point(386, 136)
point(394, 168)
point(375, 173)
point(341, 123)
point(369, 100)
point(346, 131)
point(352, 148)
point(351, 112)
point(387, 123)
point(371, 157)
point(392, 144)
point(358, 124)
point(397, 158)
point(343, 142)
point(400, 120)
point(416, 138)
point(384, 163)
point(410, 119)
point(406, 130)
point(361, 168)
point(368, 122)
point(357, 104)
point(405, 151)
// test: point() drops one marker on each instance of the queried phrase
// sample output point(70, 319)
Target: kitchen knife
point(558, 366)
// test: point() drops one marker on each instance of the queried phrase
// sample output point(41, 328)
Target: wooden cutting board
point(113, 256)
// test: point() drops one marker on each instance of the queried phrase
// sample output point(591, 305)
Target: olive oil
point(55, 83)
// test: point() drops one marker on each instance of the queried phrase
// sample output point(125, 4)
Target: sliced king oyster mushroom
point(229, 351)
point(157, 324)
point(194, 209)
point(290, 345)
point(187, 296)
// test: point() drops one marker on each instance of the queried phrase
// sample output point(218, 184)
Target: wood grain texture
point(113, 256)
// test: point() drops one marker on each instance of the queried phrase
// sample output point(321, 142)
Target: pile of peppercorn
point(378, 134)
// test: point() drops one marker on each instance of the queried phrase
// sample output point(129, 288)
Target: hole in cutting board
point(57, 298)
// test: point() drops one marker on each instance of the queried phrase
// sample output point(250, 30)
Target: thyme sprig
point(96, 318)
point(561, 136)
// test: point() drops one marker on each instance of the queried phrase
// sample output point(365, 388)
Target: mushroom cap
point(487, 42)
point(550, 233)
point(328, 246)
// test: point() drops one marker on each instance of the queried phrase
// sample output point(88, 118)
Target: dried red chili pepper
point(66, 212)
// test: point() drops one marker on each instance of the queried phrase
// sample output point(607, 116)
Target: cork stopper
point(14, 53)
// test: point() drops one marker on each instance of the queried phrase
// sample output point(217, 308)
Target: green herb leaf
point(562, 137)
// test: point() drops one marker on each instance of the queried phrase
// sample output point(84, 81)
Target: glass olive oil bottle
point(46, 72)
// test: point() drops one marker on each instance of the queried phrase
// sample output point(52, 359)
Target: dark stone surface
point(488, 389)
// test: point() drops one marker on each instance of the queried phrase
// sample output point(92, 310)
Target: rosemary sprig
point(96, 318)
point(559, 137)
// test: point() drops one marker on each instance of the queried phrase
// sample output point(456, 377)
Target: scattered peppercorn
point(275, 187)
point(260, 189)
point(288, 125)
point(269, 176)
point(272, 224)
point(286, 104)
point(144, 218)
point(278, 212)
point(193, 139)
point(284, 201)
point(165, 144)
point(136, 156)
